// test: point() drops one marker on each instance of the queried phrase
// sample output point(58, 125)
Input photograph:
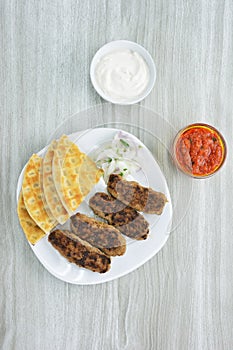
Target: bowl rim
point(200, 125)
point(112, 45)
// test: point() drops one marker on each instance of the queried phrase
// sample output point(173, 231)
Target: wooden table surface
point(180, 299)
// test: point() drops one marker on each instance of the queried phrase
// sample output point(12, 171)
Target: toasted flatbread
point(66, 163)
point(32, 231)
point(52, 198)
point(89, 175)
point(74, 174)
point(34, 197)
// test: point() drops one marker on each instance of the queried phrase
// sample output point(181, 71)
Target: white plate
point(138, 252)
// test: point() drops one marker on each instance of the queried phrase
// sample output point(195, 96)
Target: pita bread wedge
point(89, 175)
point(74, 174)
point(66, 165)
point(30, 228)
point(34, 197)
point(52, 198)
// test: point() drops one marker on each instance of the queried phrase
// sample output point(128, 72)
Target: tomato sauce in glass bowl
point(199, 150)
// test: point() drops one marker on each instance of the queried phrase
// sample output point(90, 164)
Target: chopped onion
point(120, 156)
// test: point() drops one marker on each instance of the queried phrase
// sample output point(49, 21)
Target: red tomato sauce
point(199, 150)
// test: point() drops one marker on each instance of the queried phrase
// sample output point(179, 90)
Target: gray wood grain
point(180, 299)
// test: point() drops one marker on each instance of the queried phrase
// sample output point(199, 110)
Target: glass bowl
point(199, 150)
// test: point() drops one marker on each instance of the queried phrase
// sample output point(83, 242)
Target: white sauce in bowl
point(123, 75)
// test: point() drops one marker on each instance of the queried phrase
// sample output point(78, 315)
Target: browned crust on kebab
point(79, 252)
point(136, 196)
point(125, 219)
point(99, 234)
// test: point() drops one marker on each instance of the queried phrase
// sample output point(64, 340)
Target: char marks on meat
point(125, 219)
point(99, 234)
point(79, 252)
point(136, 196)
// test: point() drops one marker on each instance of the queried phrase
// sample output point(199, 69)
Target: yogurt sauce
point(122, 75)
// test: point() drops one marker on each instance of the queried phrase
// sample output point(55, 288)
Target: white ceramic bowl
point(123, 44)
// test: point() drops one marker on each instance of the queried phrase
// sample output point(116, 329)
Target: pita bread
point(30, 228)
point(74, 174)
point(52, 198)
point(34, 197)
point(89, 175)
point(66, 164)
